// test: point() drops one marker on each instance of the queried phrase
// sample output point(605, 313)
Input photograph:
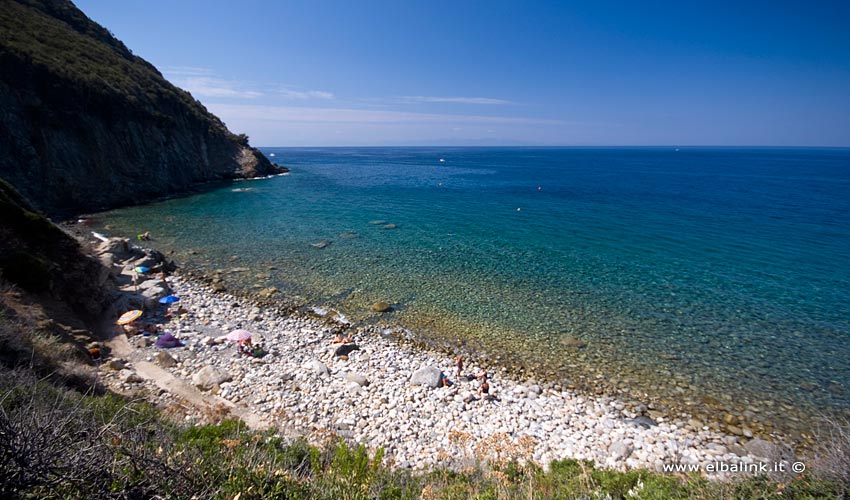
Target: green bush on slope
point(56, 443)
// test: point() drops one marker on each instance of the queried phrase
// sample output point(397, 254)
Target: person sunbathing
point(245, 347)
point(484, 390)
point(341, 339)
point(258, 351)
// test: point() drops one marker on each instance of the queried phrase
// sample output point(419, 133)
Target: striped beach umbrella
point(129, 316)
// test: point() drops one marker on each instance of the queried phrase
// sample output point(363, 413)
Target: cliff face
point(87, 125)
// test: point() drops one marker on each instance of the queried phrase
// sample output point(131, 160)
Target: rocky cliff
point(87, 125)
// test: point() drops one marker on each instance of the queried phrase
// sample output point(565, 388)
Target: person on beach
point(146, 236)
point(339, 338)
point(459, 362)
point(133, 328)
point(245, 347)
point(444, 380)
point(484, 390)
point(259, 351)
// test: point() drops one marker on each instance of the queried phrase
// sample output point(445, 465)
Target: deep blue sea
point(715, 276)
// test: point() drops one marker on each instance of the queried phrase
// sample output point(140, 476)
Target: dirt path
point(121, 347)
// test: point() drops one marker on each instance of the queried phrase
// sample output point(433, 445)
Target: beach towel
point(167, 340)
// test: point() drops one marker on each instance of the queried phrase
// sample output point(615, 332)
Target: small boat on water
point(442, 160)
point(271, 154)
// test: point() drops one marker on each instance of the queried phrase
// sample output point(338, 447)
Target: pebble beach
point(381, 392)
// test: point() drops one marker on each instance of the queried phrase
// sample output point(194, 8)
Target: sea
point(709, 280)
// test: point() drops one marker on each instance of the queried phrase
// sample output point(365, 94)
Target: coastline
point(302, 387)
point(746, 371)
point(584, 370)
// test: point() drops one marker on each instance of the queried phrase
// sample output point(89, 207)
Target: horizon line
point(588, 146)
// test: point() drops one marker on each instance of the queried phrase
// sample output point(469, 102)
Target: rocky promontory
point(86, 125)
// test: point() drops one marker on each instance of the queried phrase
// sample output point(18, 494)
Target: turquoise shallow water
point(716, 272)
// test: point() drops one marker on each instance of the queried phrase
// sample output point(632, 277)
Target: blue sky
point(333, 73)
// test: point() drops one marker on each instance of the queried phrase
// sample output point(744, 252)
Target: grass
point(58, 443)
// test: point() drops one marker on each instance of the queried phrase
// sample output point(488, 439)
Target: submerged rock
point(381, 307)
point(320, 244)
point(570, 341)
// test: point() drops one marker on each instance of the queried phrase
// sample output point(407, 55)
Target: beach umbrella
point(238, 335)
point(169, 299)
point(141, 269)
point(129, 317)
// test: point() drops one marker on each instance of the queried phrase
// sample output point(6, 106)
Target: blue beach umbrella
point(170, 299)
point(141, 269)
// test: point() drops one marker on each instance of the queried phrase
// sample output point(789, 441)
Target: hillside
point(87, 125)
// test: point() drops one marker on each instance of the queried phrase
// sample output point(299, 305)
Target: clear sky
point(457, 72)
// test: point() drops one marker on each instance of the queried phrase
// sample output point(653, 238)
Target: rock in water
point(570, 341)
point(209, 376)
point(381, 307)
point(321, 244)
point(427, 375)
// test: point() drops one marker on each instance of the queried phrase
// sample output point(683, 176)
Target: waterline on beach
point(673, 292)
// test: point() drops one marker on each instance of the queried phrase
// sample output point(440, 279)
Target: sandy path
point(120, 347)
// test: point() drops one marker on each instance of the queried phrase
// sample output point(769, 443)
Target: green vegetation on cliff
point(85, 124)
point(40, 258)
point(56, 38)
